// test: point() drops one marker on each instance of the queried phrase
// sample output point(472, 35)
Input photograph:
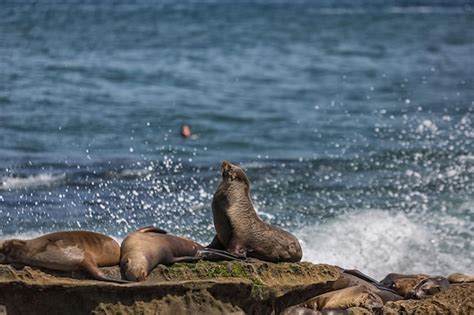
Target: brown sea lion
point(147, 247)
point(460, 278)
point(239, 229)
point(403, 284)
point(351, 278)
point(70, 250)
point(344, 298)
point(429, 287)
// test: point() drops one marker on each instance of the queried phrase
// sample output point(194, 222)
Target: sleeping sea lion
point(403, 284)
point(69, 250)
point(428, 287)
point(239, 229)
point(147, 247)
point(458, 277)
point(351, 278)
point(345, 298)
point(418, 286)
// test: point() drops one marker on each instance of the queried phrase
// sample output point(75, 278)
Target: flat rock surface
point(200, 288)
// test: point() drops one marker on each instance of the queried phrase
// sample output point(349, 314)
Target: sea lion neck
point(233, 190)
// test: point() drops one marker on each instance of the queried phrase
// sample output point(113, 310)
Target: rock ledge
point(201, 288)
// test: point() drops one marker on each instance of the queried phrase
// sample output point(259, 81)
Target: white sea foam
point(377, 243)
point(30, 181)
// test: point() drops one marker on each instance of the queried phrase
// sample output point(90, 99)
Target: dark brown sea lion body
point(429, 287)
point(69, 250)
point(145, 248)
point(417, 286)
point(239, 229)
point(350, 278)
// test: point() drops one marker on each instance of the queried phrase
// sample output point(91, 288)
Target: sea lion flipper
point(216, 244)
point(215, 254)
point(377, 284)
point(189, 259)
point(360, 275)
point(151, 229)
point(91, 267)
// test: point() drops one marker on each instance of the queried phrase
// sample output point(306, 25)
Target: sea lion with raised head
point(147, 247)
point(239, 229)
point(65, 251)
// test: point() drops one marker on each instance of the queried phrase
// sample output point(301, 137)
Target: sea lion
point(403, 284)
point(344, 298)
point(428, 287)
point(351, 278)
point(147, 247)
point(69, 250)
point(460, 278)
point(239, 229)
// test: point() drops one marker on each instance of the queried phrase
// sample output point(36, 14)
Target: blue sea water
point(353, 120)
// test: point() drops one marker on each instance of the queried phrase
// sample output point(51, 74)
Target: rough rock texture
point(201, 288)
point(458, 299)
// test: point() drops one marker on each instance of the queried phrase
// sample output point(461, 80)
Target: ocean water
point(353, 120)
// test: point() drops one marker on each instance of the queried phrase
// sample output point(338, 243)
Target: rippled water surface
point(354, 123)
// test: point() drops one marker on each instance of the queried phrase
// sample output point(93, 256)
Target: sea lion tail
point(151, 229)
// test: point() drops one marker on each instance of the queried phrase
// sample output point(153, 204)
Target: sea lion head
point(135, 270)
point(429, 287)
point(233, 173)
point(403, 286)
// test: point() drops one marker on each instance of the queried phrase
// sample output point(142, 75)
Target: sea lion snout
point(226, 169)
point(134, 271)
